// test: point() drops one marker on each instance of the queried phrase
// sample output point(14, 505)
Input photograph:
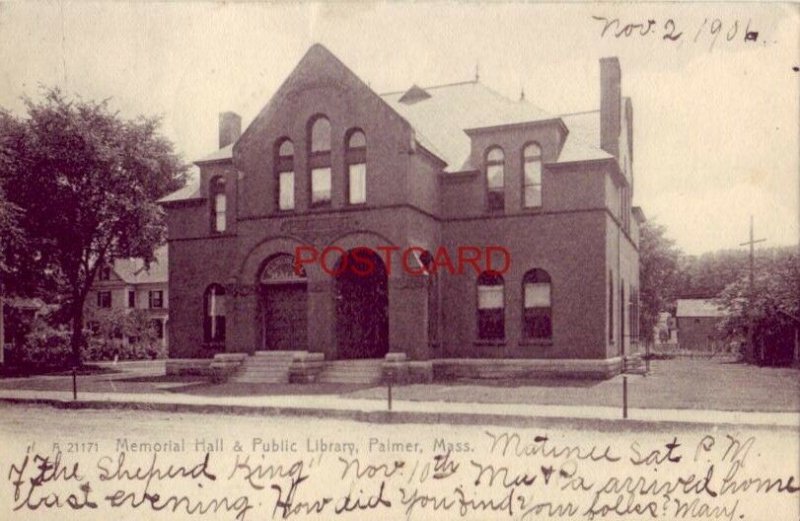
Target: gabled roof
point(220, 155)
point(132, 271)
point(451, 109)
point(698, 308)
point(442, 115)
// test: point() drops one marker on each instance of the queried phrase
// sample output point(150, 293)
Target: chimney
point(230, 127)
point(610, 105)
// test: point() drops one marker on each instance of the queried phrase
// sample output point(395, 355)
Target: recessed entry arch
point(361, 292)
point(283, 304)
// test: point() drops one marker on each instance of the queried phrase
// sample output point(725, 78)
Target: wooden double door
point(284, 317)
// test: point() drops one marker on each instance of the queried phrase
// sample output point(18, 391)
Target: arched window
point(214, 320)
point(491, 306)
point(356, 167)
point(495, 179)
point(320, 161)
point(219, 205)
point(284, 168)
point(537, 299)
point(532, 182)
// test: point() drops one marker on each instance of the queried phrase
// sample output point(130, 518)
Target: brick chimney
point(230, 128)
point(610, 105)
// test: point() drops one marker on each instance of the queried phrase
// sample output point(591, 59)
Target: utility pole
point(751, 348)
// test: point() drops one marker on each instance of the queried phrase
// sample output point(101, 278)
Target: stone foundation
point(188, 366)
point(521, 369)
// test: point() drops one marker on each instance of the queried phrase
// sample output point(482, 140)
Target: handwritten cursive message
point(482, 473)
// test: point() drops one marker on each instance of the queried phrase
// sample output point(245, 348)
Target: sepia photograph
point(407, 261)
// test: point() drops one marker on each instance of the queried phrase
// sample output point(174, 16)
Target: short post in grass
point(624, 397)
point(74, 383)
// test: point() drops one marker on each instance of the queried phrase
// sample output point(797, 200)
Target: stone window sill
point(544, 342)
point(489, 342)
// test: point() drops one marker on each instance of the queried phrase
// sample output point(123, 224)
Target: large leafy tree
point(87, 181)
point(775, 308)
point(658, 275)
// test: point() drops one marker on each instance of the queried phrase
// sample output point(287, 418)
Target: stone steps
point(269, 367)
point(352, 372)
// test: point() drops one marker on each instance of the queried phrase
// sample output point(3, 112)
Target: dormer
point(414, 94)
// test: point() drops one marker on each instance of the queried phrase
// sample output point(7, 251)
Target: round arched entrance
point(362, 305)
point(284, 305)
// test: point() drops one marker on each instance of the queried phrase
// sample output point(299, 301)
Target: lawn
point(699, 383)
point(672, 384)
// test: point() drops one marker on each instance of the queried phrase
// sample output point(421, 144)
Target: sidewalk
point(373, 410)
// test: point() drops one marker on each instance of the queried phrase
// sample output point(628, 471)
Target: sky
point(716, 133)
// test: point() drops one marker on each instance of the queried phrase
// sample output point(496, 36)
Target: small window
point(495, 179)
point(286, 190)
point(284, 168)
point(286, 149)
point(491, 306)
point(321, 135)
point(131, 299)
point(357, 192)
point(537, 313)
point(104, 273)
point(532, 184)
point(156, 299)
point(356, 167)
point(93, 326)
point(219, 205)
point(158, 328)
point(214, 321)
point(320, 161)
point(321, 186)
point(104, 299)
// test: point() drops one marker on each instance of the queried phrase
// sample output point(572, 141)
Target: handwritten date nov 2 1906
point(711, 30)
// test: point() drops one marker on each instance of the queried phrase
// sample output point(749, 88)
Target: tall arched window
point(284, 168)
point(219, 204)
point(537, 299)
point(532, 182)
point(319, 159)
point(356, 167)
point(214, 314)
point(491, 306)
point(495, 178)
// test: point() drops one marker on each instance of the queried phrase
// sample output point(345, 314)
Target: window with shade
point(219, 205)
point(532, 181)
point(319, 159)
point(495, 179)
point(537, 301)
point(491, 306)
point(214, 320)
point(356, 156)
point(284, 167)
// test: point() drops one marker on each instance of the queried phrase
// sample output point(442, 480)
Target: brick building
point(328, 163)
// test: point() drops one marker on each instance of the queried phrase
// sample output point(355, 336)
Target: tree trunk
point(76, 340)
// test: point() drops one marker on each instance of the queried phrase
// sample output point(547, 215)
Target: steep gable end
point(319, 68)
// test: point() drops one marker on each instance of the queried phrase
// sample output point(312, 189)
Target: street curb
point(405, 417)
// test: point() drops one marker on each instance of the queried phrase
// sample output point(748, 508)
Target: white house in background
point(128, 284)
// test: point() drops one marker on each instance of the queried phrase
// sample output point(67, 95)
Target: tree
point(775, 308)
point(658, 275)
point(87, 181)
